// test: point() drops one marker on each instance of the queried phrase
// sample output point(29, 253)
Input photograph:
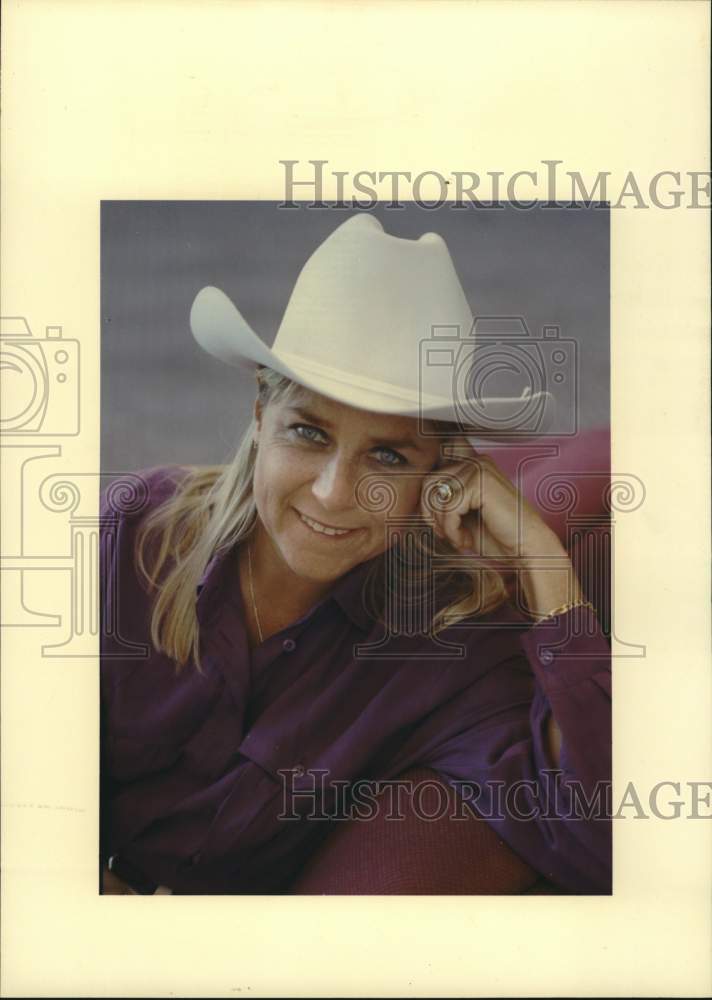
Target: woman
point(359, 592)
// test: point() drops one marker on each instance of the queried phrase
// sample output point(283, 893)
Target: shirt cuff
point(567, 648)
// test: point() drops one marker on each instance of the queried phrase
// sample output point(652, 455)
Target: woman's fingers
point(448, 510)
point(456, 529)
point(478, 489)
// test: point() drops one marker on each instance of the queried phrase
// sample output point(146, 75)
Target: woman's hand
point(489, 517)
point(111, 885)
point(487, 514)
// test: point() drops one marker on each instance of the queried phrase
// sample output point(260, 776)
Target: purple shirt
point(197, 768)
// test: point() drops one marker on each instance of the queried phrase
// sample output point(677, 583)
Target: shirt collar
point(348, 592)
point(211, 570)
point(210, 581)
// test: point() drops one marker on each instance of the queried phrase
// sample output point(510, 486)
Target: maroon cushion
point(416, 856)
point(565, 478)
point(571, 489)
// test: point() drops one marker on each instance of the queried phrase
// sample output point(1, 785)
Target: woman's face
point(312, 454)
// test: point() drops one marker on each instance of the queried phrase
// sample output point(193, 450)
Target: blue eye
point(308, 433)
point(391, 457)
point(314, 435)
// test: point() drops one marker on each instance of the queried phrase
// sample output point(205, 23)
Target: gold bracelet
point(564, 608)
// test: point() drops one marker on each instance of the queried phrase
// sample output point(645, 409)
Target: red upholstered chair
point(414, 856)
point(568, 480)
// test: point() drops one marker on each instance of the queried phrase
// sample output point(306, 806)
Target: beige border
point(201, 100)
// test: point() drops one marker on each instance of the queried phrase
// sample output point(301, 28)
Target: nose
point(333, 487)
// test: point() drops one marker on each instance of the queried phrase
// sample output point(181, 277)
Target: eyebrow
point(313, 418)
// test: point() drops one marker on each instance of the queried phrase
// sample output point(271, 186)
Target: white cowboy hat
point(379, 323)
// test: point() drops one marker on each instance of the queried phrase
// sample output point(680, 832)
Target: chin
point(308, 567)
point(310, 563)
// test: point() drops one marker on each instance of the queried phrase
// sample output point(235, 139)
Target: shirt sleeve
point(125, 631)
point(495, 753)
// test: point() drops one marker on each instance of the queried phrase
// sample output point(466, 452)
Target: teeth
point(322, 528)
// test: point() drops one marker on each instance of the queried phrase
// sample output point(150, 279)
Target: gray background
point(165, 400)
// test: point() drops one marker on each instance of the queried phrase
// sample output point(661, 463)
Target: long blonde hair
point(213, 509)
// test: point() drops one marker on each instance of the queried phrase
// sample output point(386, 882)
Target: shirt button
point(299, 770)
point(289, 645)
point(547, 656)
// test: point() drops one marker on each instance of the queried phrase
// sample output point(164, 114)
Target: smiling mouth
point(325, 529)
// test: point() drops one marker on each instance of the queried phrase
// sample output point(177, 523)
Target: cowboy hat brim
point(221, 330)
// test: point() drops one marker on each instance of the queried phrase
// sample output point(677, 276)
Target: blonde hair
point(213, 510)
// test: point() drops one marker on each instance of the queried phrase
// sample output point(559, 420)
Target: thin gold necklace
point(252, 592)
